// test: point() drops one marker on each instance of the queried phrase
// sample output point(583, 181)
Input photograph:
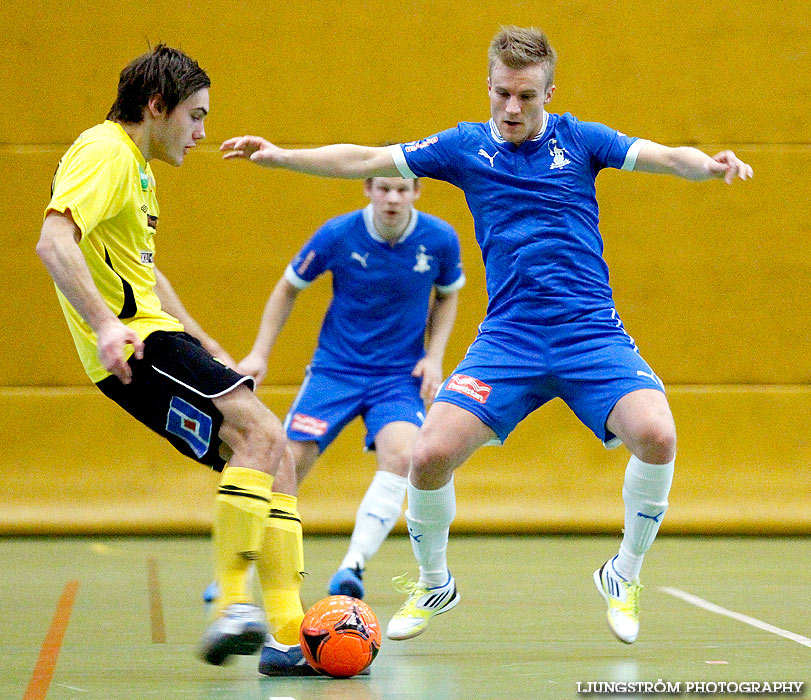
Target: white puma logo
point(360, 258)
point(484, 153)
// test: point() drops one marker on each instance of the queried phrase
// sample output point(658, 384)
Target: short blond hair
point(519, 47)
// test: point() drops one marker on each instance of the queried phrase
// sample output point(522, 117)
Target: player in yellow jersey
point(143, 350)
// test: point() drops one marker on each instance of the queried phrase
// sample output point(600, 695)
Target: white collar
point(498, 138)
point(368, 219)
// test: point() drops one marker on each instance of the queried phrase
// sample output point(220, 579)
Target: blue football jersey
point(376, 320)
point(535, 211)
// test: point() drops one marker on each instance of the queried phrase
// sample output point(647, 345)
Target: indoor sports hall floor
point(119, 619)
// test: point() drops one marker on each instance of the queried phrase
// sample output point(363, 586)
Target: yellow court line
point(155, 603)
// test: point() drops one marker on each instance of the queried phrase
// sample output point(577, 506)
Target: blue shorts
point(509, 371)
point(329, 399)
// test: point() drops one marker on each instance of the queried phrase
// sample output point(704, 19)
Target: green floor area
point(530, 624)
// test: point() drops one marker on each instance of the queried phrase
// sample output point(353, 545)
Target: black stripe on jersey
point(283, 515)
point(129, 308)
point(53, 179)
point(228, 490)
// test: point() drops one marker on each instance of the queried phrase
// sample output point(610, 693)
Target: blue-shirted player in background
point(394, 271)
point(551, 329)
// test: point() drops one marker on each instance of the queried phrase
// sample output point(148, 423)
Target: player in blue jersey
point(551, 329)
point(394, 271)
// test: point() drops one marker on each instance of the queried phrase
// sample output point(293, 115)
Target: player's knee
point(267, 432)
point(398, 460)
point(256, 436)
point(657, 441)
point(430, 456)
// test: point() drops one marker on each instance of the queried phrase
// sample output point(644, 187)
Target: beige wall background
point(712, 281)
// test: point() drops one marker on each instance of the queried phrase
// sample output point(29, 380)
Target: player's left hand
point(727, 165)
point(431, 373)
point(252, 148)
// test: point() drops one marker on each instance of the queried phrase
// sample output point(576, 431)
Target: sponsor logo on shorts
point(415, 146)
point(147, 257)
point(189, 424)
point(307, 424)
point(476, 390)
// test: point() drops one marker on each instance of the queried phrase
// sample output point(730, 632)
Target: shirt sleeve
point(312, 260)
point(92, 183)
point(430, 157)
point(451, 276)
point(609, 148)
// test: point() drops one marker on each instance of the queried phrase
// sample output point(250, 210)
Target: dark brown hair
point(163, 71)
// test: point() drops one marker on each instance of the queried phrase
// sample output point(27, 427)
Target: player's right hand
point(254, 366)
point(111, 338)
point(252, 148)
point(728, 166)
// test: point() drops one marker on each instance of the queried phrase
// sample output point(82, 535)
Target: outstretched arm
point(58, 248)
point(690, 163)
point(440, 323)
point(170, 302)
point(277, 309)
point(339, 160)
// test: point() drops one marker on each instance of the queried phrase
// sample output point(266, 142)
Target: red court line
point(49, 653)
point(155, 603)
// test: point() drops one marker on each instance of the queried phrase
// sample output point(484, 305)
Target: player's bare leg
point(448, 437)
point(305, 452)
point(643, 421)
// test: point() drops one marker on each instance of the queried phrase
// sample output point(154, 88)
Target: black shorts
point(172, 390)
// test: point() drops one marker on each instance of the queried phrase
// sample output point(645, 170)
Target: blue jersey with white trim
point(535, 211)
point(381, 292)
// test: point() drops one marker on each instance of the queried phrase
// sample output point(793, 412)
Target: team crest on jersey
point(146, 180)
point(558, 154)
point(307, 424)
point(473, 388)
point(422, 264)
point(189, 424)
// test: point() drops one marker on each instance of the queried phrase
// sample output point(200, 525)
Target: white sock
point(429, 517)
point(645, 493)
point(377, 514)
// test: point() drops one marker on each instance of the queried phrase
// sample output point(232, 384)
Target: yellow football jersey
point(109, 189)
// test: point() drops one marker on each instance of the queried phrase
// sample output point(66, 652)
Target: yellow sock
point(281, 569)
point(241, 508)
